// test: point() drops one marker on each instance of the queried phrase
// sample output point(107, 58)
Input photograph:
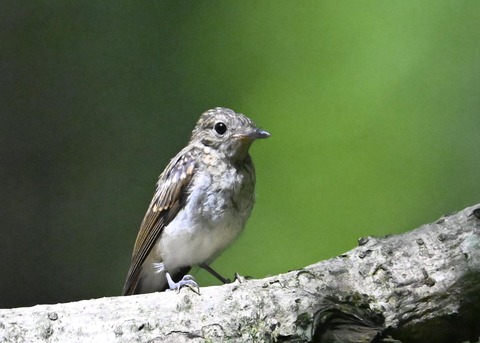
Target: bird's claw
point(239, 278)
point(187, 280)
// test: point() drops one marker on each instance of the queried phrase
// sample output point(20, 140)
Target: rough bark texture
point(421, 286)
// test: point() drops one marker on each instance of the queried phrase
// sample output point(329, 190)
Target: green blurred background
point(373, 108)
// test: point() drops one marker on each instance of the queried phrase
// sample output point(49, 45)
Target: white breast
point(211, 221)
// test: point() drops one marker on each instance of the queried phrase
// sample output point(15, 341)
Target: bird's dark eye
point(220, 128)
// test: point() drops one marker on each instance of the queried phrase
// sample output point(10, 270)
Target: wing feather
point(170, 196)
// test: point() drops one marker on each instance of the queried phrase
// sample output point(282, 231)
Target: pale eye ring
point(220, 128)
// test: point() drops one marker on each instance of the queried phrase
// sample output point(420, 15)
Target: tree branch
point(421, 286)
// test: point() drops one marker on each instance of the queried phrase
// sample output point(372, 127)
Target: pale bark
point(421, 286)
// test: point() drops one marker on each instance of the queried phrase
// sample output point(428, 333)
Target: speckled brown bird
point(202, 201)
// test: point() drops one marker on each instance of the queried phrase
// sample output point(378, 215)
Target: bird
point(201, 204)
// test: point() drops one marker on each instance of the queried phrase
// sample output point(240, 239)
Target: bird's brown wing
point(169, 198)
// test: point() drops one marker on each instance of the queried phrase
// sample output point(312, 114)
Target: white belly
point(210, 222)
point(186, 243)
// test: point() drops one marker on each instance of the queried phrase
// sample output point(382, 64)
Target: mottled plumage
point(202, 201)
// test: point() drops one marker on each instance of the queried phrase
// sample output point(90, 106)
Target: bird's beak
point(261, 134)
point(255, 134)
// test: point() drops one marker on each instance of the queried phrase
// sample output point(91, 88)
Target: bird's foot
point(239, 278)
point(187, 280)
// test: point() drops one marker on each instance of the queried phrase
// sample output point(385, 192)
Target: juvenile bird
point(202, 201)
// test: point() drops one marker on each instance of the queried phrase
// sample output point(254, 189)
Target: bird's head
point(227, 132)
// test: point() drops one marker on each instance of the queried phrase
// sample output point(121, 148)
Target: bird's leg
point(214, 273)
point(187, 280)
